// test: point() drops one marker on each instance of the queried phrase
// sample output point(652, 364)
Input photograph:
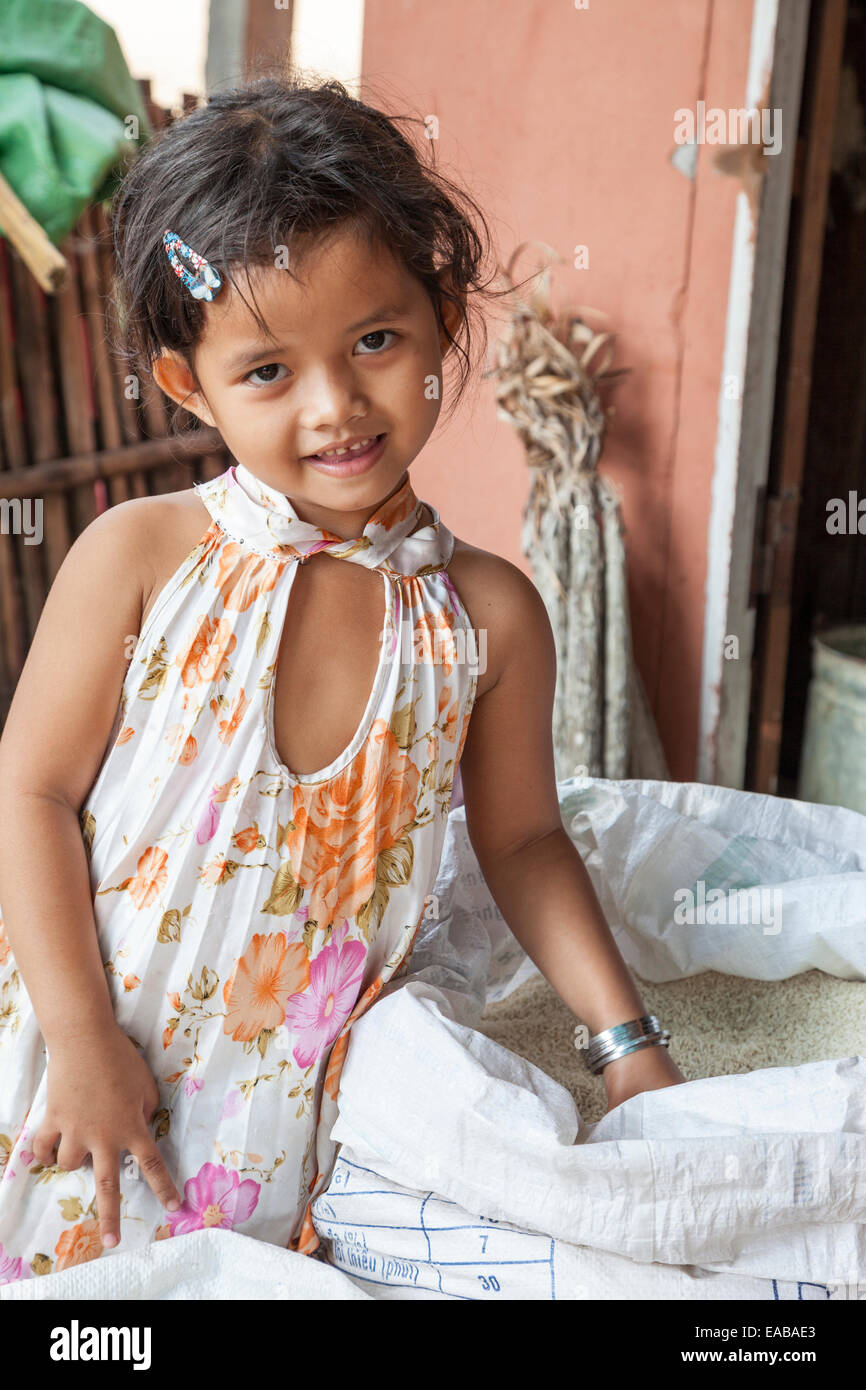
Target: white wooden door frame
point(745, 415)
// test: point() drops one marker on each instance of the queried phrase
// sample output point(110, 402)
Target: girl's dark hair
point(281, 161)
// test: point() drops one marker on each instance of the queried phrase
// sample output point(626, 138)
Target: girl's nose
point(329, 399)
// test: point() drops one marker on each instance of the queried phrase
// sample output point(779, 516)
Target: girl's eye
point(379, 333)
point(268, 367)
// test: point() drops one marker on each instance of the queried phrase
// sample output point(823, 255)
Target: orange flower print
point(229, 727)
point(308, 1240)
point(216, 871)
point(433, 640)
point(465, 731)
point(227, 790)
point(258, 988)
point(174, 1000)
point(183, 747)
point(125, 735)
point(5, 948)
point(449, 729)
point(78, 1245)
point(399, 513)
point(340, 827)
point(174, 736)
point(246, 840)
point(241, 584)
point(208, 657)
point(151, 878)
point(131, 982)
point(335, 1065)
point(189, 752)
point(367, 997)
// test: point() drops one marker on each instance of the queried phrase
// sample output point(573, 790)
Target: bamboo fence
point(75, 433)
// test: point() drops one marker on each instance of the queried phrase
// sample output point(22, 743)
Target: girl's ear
point(173, 376)
point(449, 313)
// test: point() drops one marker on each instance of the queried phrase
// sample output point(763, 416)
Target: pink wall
point(560, 122)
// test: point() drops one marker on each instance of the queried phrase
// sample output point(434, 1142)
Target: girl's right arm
point(101, 1094)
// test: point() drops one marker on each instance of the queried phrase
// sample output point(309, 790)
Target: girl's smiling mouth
point(352, 461)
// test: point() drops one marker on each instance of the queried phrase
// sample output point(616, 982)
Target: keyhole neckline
point(390, 624)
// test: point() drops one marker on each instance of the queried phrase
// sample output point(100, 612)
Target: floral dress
point(246, 915)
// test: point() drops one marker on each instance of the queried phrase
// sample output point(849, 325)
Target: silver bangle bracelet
point(626, 1048)
point(611, 1041)
point(623, 1038)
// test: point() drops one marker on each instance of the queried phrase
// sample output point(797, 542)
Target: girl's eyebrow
point(254, 351)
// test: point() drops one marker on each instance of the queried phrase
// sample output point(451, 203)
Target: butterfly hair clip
point(206, 282)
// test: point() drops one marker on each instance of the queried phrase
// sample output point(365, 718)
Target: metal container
point(833, 766)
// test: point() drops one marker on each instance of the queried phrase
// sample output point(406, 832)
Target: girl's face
point(356, 351)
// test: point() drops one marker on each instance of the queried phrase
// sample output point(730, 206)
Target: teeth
point(352, 449)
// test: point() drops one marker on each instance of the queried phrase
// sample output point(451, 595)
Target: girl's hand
point(647, 1069)
point(101, 1097)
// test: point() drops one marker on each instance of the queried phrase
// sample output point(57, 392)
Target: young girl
point(227, 769)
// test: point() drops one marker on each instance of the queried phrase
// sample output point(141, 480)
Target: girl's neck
point(346, 524)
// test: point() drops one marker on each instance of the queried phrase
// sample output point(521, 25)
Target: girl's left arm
point(534, 872)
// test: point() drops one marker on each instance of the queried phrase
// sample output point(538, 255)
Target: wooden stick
point(31, 242)
point(79, 469)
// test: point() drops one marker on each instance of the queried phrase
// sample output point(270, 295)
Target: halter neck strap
point(255, 514)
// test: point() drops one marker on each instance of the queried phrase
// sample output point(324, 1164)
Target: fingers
point(44, 1144)
point(149, 1103)
point(71, 1153)
point(155, 1173)
point(107, 1182)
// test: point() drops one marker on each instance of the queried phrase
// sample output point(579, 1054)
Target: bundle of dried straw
point(547, 388)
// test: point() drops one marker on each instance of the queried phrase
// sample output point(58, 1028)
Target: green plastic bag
point(66, 99)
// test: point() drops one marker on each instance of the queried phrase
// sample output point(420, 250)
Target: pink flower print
point(319, 1011)
point(231, 1105)
point(452, 591)
point(214, 1197)
point(192, 1084)
point(209, 822)
point(24, 1153)
point(12, 1269)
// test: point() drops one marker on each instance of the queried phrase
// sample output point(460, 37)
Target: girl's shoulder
point(170, 525)
point(143, 540)
point(66, 697)
point(502, 601)
point(156, 524)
